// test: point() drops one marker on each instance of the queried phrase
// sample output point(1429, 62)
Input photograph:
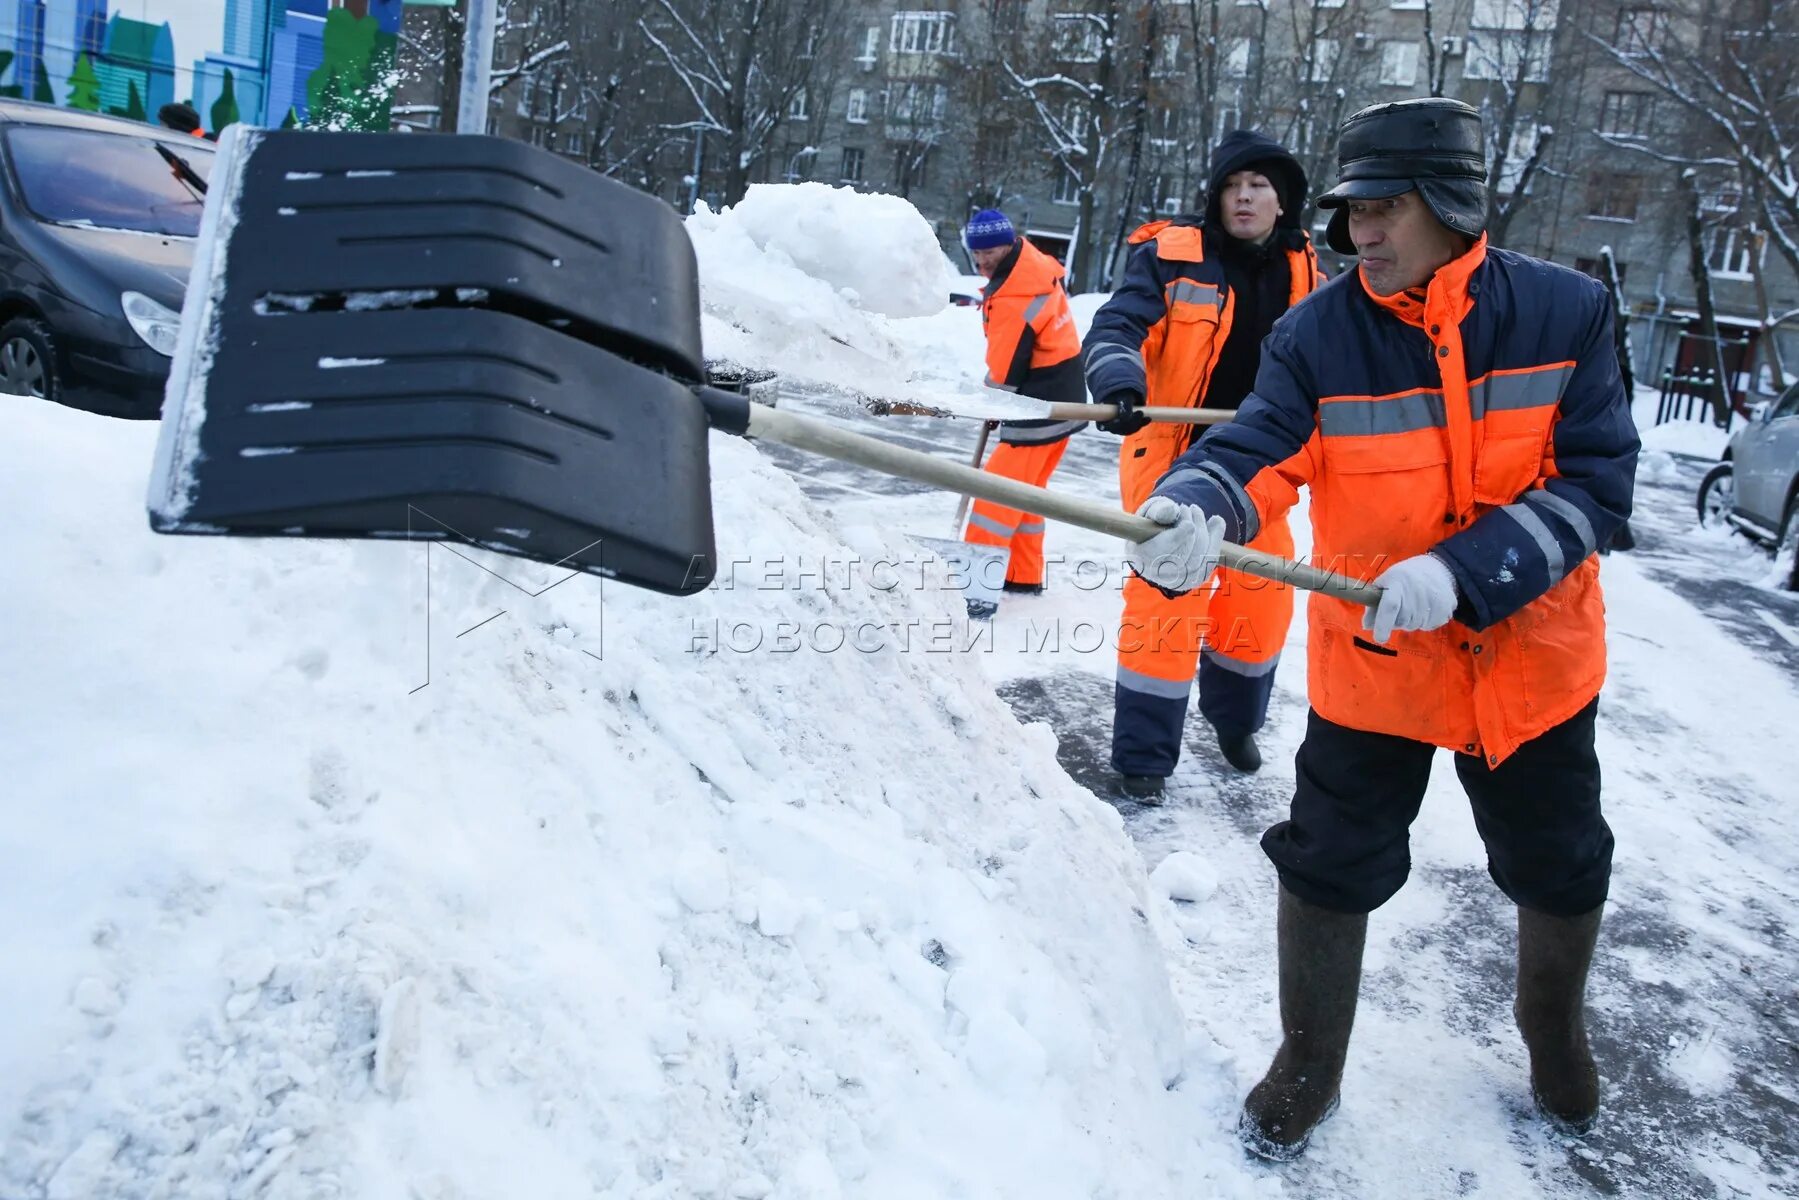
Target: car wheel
point(1717, 496)
point(28, 360)
point(1786, 550)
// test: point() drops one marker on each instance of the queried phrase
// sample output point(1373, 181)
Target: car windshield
point(111, 180)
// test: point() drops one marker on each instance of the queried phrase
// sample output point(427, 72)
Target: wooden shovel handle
point(1172, 416)
point(819, 437)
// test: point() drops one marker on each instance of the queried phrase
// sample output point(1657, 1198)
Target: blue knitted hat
point(988, 229)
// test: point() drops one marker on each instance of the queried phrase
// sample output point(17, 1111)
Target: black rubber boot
point(1022, 589)
point(1144, 789)
point(1321, 973)
point(1554, 954)
point(1240, 751)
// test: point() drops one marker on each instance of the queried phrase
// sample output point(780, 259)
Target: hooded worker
point(1183, 330)
point(1032, 349)
point(1457, 414)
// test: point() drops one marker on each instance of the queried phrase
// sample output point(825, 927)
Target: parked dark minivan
point(97, 223)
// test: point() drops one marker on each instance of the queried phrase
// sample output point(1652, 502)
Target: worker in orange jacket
point(1456, 412)
point(1032, 348)
point(1184, 330)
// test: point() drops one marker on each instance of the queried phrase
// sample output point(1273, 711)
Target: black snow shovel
point(468, 338)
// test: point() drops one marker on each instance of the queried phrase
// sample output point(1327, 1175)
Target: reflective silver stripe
point(1034, 307)
point(990, 525)
point(1516, 390)
point(1030, 527)
point(1237, 666)
point(1577, 520)
point(1185, 291)
point(1105, 354)
point(1177, 477)
point(1252, 520)
point(1149, 685)
point(1539, 532)
point(996, 385)
point(1366, 418)
point(1009, 432)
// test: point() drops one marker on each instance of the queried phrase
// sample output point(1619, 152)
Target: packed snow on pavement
point(324, 883)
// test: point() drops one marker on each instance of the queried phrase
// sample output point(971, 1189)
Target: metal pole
point(477, 65)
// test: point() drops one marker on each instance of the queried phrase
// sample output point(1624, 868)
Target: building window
point(1496, 54)
point(1596, 268)
point(1399, 64)
point(911, 167)
point(1324, 59)
point(1074, 121)
point(915, 109)
point(1005, 16)
point(1236, 59)
point(1168, 56)
point(1416, 5)
point(1068, 188)
point(574, 143)
point(857, 112)
point(1079, 37)
point(1626, 114)
point(1523, 145)
point(1513, 14)
point(1612, 196)
point(852, 165)
point(871, 46)
point(1639, 31)
point(1730, 252)
point(796, 107)
point(922, 33)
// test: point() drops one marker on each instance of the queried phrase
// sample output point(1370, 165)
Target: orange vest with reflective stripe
point(1391, 476)
point(1031, 296)
point(1183, 347)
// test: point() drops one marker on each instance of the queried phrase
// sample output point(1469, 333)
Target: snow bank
point(1697, 438)
point(835, 286)
point(314, 891)
point(878, 249)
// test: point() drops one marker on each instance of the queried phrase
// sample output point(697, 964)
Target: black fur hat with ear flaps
point(1432, 145)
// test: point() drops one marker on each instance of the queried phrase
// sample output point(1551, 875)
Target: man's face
point(1401, 242)
point(1249, 205)
point(987, 261)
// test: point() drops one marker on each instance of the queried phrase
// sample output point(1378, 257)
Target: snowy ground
point(804, 887)
point(1695, 1018)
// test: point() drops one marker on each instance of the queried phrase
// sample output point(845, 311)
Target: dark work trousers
point(1345, 845)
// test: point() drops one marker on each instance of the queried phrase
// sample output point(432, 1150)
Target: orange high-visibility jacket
point(1161, 334)
point(1481, 419)
point(1032, 346)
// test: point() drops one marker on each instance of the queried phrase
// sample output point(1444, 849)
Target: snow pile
point(319, 888)
point(837, 286)
point(877, 250)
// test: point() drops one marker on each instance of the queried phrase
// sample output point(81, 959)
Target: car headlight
point(156, 323)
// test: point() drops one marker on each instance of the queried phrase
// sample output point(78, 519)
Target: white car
point(1755, 489)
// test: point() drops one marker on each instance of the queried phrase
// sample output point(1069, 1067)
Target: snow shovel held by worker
point(393, 336)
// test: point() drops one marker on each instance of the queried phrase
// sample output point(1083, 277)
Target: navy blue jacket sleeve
point(1515, 553)
point(1271, 432)
point(1113, 352)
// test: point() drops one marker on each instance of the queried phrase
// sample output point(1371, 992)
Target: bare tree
point(1074, 112)
point(1510, 48)
point(744, 66)
point(1733, 70)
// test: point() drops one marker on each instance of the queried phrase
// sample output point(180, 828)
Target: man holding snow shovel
point(1457, 412)
point(1184, 330)
point(1032, 349)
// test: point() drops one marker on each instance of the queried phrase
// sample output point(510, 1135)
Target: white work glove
point(1416, 593)
point(1185, 554)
